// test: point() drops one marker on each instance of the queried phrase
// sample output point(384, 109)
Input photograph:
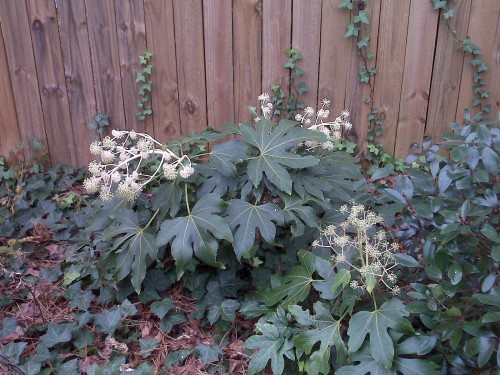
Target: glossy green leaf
point(270, 346)
point(375, 323)
point(273, 147)
point(320, 327)
point(246, 218)
point(406, 260)
point(224, 156)
point(343, 277)
point(455, 273)
point(491, 160)
point(298, 212)
point(196, 233)
point(12, 351)
point(57, 334)
point(161, 308)
point(488, 282)
point(297, 283)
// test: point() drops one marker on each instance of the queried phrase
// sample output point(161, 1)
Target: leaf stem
point(186, 198)
point(151, 220)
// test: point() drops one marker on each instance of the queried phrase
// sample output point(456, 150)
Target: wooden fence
point(63, 61)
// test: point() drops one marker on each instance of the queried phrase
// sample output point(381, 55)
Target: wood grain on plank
point(306, 37)
point(9, 127)
point(79, 79)
point(159, 15)
point(131, 33)
point(190, 54)
point(218, 33)
point(333, 66)
point(417, 76)
point(446, 74)
point(391, 50)
point(276, 39)
point(247, 55)
point(15, 24)
point(482, 30)
point(51, 81)
point(106, 61)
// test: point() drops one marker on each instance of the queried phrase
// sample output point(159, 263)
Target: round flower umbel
point(130, 161)
point(360, 244)
point(318, 122)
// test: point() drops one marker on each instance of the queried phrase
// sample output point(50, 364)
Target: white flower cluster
point(266, 107)
point(332, 129)
point(357, 243)
point(122, 168)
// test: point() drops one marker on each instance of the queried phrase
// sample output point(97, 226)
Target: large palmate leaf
point(310, 182)
point(134, 245)
point(247, 217)
point(298, 212)
point(298, 281)
point(196, 233)
point(322, 328)
point(225, 155)
point(272, 151)
point(343, 175)
point(376, 324)
point(405, 366)
point(272, 345)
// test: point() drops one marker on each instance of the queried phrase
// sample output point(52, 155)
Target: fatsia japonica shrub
point(178, 206)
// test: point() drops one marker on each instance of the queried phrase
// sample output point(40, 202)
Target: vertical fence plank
point(15, 25)
point(393, 30)
point(10, 139)
point(105, 61)
point(159, 16)
point(247, 54)
point(78, 71)
point(333, 66)
point(446, 75)
point(219, 61)
point(188, 16)
point(131, 33)
point(51, 81)
point(417, 76)
point(276, 38)
point(495, 76)
point(357, 92)
point(482, 29)
point(306, 37)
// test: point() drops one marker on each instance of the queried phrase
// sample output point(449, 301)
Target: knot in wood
point(123, 26)
point(37, 25)
point(52, 90)
point(361, 5)
point(190, 106)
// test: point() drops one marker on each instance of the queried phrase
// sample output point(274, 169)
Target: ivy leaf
point(13, 350)
point(362, 17)
point(161, 308)
point(57, 334)
point(247, 218)
point(136, 245)
point(376, 324)
point(208, 353)
point(297, 283)
point(225, 155)
point(198, 232)
point(363, 42)
point(226, 310)
point(271, 347)
point(108, 321)
point(297, 210)
point(272, 146)
point(323, 328)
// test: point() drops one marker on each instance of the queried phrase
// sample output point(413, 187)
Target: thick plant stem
point(186, 198)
